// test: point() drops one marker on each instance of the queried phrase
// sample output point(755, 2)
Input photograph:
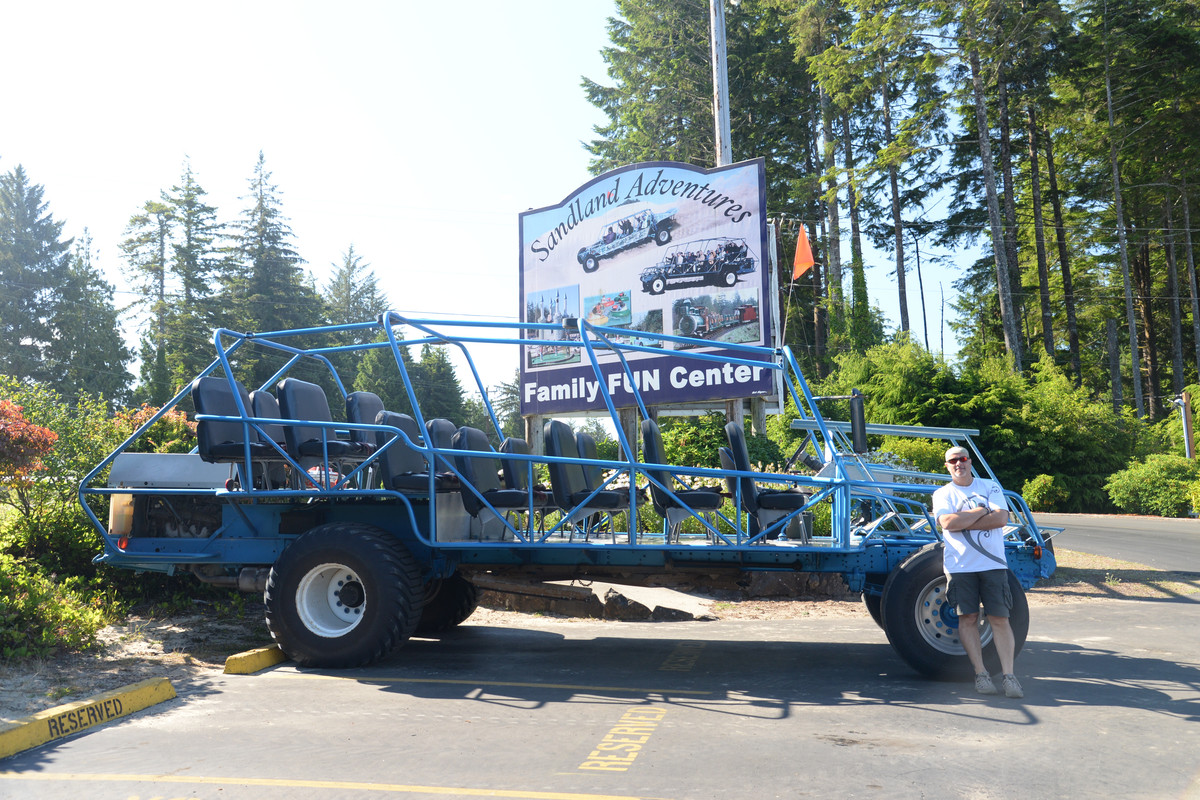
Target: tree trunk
point(1064, 263)
point(1008, 317)
point(1134, 357)
point(860, 301)
point(1035, 189)
point(894, 182)
point(1144, 282)
point(834, 246)
point(1191, 268)
point(1010, 203)
point(1173, 293)
point(1114, 365)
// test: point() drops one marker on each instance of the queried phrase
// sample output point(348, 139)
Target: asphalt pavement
point(1159, 542)
point(583, 710)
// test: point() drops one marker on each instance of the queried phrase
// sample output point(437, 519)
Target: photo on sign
point(724, 317)
point(611, 310)
point(714, 261)
point(551, 307)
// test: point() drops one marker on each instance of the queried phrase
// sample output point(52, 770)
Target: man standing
point(972, 513)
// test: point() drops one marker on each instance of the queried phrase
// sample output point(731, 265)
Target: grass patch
point(1084, 575)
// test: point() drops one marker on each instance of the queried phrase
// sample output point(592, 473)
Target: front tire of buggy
point(343, 595)
point(923, 627)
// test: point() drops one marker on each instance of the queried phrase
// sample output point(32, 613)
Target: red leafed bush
point(22, 444)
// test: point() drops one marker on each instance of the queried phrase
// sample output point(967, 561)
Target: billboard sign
point(656, 247)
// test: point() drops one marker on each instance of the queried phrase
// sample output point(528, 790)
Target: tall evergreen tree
point(33, 269)
point(87, 353)
point(148, 237)
point(353, 295)
point(194, 264)
point(264, 285)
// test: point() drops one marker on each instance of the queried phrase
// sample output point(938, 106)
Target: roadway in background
point(1159, 542)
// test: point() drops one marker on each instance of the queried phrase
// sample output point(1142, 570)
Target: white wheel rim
point(937, 620)
point(330, 600)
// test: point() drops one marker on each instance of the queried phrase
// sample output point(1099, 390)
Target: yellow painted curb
point(55, 723)
point(254, 660)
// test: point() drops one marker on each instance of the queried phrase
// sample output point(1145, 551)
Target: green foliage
point(48, 527)
point(1045, 493)
point(1160, 485)
point(1028, 425)
point(38, 616)
point(33, 267)
point(926, 455)
point(86, 433)
point(173, 432)
point(696, 442)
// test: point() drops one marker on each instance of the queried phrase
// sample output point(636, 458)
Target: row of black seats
point(574, 486)
point(228, 442)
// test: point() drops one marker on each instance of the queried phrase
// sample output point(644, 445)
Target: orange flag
point(804, 257)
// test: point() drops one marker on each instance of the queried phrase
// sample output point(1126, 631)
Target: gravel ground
point(188, 648)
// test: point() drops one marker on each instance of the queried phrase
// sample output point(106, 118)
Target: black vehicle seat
point(306, 402)
point(568, 483)
point(403, 468)
point(686, 502)
point(483, 473)
point(766, 506)
point(227, 442)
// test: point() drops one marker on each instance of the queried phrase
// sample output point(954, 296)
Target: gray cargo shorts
point(966, 590)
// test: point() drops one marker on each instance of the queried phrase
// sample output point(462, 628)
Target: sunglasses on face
point(953, 461)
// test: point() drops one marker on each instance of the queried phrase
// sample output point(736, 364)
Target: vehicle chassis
point(350, 569)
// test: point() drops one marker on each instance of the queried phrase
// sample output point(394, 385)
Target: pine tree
point(353, 295)
point(87, 353)
point(148, 237)
point(264, 285)
point(33, 269)
point(437, 387)
point(194, 263)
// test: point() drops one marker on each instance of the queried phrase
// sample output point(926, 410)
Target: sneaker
point(984, 685)
point(1012, 686)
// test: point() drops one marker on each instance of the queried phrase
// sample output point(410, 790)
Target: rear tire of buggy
point(450, 602)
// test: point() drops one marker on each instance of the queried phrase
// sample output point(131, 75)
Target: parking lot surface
point(582, 710)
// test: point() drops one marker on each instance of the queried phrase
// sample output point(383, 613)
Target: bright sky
point(415, 132)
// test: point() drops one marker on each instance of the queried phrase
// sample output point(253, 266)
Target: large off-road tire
point(448, 604)
point(662, 236)
point(343, 595)
point(581, 254)
point(874, 604)
point(873, 600)
point(729, 277)
point(590, 263)
point(658, 285)
point(923, 628)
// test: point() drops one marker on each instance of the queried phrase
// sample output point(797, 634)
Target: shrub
point(1045, 493)
point(38, 616)
point(1160, 485)
point(696, 443)
point(925, 455)
point(172, 433)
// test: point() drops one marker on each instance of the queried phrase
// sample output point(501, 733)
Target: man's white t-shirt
point(971, 550)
